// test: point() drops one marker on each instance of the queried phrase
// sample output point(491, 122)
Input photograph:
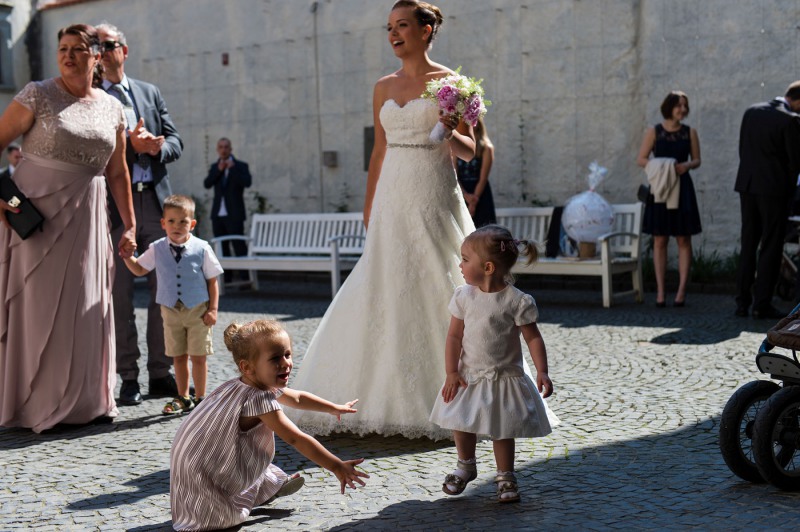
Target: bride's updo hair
point(245, 340)
point(426, 14)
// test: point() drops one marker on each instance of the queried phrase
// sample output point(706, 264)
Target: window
point(6, 65)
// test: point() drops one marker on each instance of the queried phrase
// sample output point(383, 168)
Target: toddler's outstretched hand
point(348, 475)
point(346, 408)
point(451, 384)
point(544, 384)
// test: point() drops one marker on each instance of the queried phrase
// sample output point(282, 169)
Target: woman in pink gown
point(56, 322)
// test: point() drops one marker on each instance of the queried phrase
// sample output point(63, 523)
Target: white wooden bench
point(620, 250)
point(313, 242)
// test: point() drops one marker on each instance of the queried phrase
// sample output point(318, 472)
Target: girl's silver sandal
point(507, 485)
point(455, 485)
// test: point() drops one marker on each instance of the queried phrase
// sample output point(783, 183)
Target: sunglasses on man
point(108, 46)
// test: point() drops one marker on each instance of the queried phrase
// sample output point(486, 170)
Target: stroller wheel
point(776, 440)
point(737, 424)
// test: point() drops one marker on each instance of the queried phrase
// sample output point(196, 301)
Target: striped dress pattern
point(219, 472)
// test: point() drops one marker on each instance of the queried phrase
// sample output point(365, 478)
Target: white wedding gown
point(382, 339)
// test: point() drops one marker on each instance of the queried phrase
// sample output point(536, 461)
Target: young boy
point(186, 270)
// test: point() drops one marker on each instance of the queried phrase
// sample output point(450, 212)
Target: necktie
point(178, 250)
point(127, 103)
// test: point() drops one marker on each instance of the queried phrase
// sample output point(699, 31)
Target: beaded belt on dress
point(421, 146)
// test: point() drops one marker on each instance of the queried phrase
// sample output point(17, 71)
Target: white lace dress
point(382, 339)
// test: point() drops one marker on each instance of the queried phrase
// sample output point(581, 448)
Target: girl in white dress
point(221, 460)
point(486, 390)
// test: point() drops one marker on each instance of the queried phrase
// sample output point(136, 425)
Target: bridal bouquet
point(456, 95)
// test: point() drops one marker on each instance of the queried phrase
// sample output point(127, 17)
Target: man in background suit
point(769, 164)
point(229, 177)
point(14, 154)
point(153, 142)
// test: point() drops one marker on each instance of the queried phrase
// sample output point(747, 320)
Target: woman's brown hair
point(88, 34)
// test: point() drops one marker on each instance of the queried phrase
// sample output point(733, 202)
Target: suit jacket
point(232, 190)
point(5, 173)
point(769, 150)
point(150, 105)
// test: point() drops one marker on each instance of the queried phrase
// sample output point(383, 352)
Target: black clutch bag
point(643, 193)
point(28, 219)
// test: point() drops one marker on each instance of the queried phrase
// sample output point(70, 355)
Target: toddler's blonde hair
point(245, 340)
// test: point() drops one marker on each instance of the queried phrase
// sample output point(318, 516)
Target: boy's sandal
point(179, 405)
point(197, 400)
point(507, 489)
point(455, 485)
point(290, 486)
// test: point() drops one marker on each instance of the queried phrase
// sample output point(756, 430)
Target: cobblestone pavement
point(639, 391)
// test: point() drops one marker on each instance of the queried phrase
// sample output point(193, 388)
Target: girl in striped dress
point(221, 460)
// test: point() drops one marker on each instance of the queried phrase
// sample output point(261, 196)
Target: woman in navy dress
point(673, 139)
point(473, 176)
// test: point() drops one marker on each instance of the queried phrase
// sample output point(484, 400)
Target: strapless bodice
point(409, 124)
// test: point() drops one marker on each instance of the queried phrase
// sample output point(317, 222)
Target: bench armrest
point(609, 236)
point(218, 240)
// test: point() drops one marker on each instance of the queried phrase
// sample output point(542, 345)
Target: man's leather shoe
point(129, 394)
point(741, 311)
point(770, 313)
point(163, 387)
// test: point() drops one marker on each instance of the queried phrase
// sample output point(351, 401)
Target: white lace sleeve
point(527, 311)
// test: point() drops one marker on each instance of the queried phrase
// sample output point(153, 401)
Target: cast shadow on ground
point(345, 445)
point(702, 325)
point(258, 516)
point(676, 480)
point(147, 485)
point(348, 446)
point(19, 438)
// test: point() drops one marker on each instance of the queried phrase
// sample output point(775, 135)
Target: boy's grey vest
point(182, 280)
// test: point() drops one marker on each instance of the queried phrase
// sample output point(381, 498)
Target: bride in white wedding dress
point(383, 337)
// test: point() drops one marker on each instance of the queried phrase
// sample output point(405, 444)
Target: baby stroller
point(759, 433)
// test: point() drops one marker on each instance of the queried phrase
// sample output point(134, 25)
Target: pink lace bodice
point(70, 129)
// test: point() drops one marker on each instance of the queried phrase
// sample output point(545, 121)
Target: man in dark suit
point(229, 177)
point(769, 164)
point(14, 154)
point(153, 142)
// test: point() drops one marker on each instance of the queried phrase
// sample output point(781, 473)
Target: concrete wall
point(18, 18)
point(571, 80)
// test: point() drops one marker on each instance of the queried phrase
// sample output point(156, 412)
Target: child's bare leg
point(465, 444)
point(466, 469)
point(504, 455)
point(199, 375)
point(181, 365)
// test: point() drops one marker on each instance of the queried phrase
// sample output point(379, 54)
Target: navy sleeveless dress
point(469, 173)
point(685, 220)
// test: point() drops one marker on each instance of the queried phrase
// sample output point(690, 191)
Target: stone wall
point(572, 81)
